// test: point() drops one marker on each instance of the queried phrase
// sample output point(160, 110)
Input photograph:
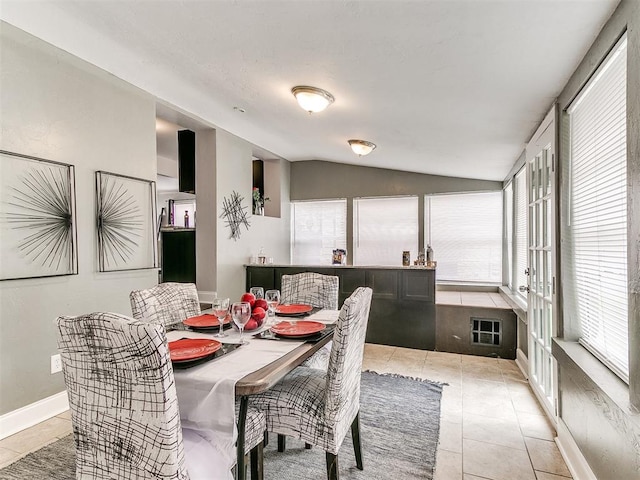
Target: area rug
point(399, 428)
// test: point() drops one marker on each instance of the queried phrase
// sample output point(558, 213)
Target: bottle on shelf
point(186, 219)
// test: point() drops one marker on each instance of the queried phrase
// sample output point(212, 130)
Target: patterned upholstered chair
point(317, 406)
point(166, 303)
point(123, 402)
point(170, 303)
point(311, 288)
point(316, 290)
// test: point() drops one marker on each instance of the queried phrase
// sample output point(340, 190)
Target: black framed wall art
point(37, 217)
point(125, 221)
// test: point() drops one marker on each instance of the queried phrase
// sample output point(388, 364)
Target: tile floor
point(491, 426)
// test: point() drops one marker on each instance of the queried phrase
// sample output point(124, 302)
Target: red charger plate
point(192, 348)
point(293, 309)
point(302, 328)
point(205, 321)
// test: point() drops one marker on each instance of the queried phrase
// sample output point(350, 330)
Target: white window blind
point(598, 212)
point(384, 228)
point(508, 232)
point(520, 232)
point(317, 228)
point(465, 232)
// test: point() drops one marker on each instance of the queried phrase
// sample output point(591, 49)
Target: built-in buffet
point(403, 310)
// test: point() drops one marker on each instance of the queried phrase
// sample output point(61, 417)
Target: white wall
point(234, 172)
point(57, 107)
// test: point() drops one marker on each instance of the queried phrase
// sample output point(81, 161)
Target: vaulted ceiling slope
point(443, 87)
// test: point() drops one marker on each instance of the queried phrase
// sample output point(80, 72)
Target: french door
point(541, 263)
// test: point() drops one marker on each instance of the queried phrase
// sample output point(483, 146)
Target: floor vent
point(486, 331)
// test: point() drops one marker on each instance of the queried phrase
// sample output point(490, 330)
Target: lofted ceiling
point(447, 87)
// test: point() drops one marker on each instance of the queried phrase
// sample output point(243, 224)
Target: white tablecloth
point(206, 393)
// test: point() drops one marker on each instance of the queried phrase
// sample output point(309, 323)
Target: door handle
point(523, 288)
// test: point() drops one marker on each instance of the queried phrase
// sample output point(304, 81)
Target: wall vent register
point(486, 331)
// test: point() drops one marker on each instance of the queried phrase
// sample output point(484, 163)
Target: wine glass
point(220, 307)
point(258, 292)
point(273, 299)
point(241, 313)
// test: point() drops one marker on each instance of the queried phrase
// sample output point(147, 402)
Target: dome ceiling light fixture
point(312, 99)
point(362, 147)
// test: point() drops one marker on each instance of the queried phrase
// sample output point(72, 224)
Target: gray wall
point(57, 107)
point(316, 179)
point(594, 404)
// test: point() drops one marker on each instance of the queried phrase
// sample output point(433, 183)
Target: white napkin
point(324, 316)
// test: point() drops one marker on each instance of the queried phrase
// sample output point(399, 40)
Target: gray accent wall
point(600, 410)
point(317, 179)
point(57, 107)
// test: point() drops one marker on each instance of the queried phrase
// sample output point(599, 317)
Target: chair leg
point(282, 443)
point(265, 442)
point(308, 446)
point(357, 447)
point(241, 471)
point(332, 466)
point(257, 462)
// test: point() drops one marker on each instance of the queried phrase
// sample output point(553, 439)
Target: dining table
point(207, 392)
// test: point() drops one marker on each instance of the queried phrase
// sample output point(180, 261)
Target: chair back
point(122, 397)
point(342, 400)
point(310, 288)
point(166, 303)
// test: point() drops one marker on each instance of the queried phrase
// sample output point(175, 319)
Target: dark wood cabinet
point(179, 256)
point(402, 308)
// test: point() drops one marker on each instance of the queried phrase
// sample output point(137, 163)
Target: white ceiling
point(444, 87)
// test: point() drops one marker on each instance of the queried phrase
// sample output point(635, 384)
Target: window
point(521, 245)
point(508, 232)
point(465, 232)
point(597, 221)
point(317, 228)
point(384, 228)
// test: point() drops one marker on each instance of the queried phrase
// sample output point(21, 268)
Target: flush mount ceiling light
point(361, 147)
point(312, 99)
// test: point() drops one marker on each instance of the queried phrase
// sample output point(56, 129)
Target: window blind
point(520, 232)
point(598, 212)
point(317, 228)
point(508, 232)
point(465, 232)
point(384, 228)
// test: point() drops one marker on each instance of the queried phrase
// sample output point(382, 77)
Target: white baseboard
point(577, 464)
point(30, 415)
point(523, 363)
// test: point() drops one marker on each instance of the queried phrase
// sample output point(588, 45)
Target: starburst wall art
point(125, 220)
point(37, 218)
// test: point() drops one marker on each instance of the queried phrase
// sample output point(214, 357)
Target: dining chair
point(319, 406)
point(166, 303)
point(124, 407)
point(317, 290)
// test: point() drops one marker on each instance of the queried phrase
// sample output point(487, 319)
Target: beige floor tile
point(448, 465)
point(65, 415)
point(526, 403)
point(488, 406)
point(546, 457)
point(475, 360)
point(549, 476)
point(450, 436)
point(445, 357)
point(374, 365)
point(466, 476)
point(8, 456)
point(378, 352)
point(451, 377)
point(495, 461)
point(37, 436)
point(481, 372)
point(535, 426)
point(492, 430)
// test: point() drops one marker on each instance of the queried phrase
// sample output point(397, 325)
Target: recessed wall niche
point(266, 178)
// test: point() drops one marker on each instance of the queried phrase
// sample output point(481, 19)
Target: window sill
point(604, 379)
point(515, 301)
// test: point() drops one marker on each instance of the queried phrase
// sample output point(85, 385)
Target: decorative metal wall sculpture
point(234, 214)
point(126, 215)
point(37, 217)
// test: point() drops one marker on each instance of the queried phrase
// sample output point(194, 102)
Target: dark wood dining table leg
point(355, 435)
point(242, 421)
